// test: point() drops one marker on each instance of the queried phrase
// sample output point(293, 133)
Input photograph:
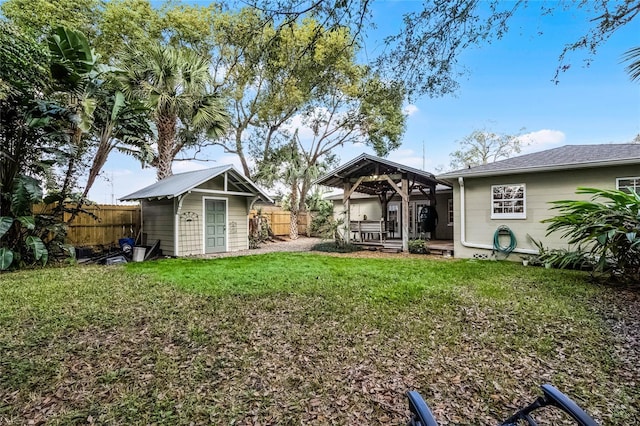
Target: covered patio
point(384, 179)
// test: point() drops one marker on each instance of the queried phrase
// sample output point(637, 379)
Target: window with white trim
point(627, 184)
point(508, 201)
point(450, 212)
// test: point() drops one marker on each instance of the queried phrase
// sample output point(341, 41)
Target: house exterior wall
point(361, 207)
point(158, 223)
point(370, 206)
point(541, 189)
point(444, 229)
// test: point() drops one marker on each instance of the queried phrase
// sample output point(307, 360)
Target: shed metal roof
point(180, 183)
point(564, 157)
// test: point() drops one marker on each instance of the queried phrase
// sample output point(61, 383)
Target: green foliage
point(259, 230)
point(482, 147)
point(418, 246)
point(606, 229)
point(72, 58)
point(175, 84)
point(559, 258)
point(21, 237)
point(632, 56)
point(336, 247)
point(39, 17)
point(6, 258)
point(23, 64)
point(322, 212)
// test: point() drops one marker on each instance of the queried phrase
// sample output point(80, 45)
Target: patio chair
point(421, 414)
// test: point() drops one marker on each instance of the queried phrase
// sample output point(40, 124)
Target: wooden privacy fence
point(114, 222)
point(279, 221)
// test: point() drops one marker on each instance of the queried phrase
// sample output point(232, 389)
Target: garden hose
point(504, 230)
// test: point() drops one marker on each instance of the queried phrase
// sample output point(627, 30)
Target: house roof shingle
point(564, 157)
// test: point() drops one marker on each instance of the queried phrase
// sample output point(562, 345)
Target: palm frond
point(633, 56)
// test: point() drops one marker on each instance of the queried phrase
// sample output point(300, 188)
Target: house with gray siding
point(199, 212)
point(513, 196)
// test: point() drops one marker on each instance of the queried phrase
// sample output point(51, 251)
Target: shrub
point(418, 247)
point(605, 230)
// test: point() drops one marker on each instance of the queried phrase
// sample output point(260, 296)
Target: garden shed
point(198, 212)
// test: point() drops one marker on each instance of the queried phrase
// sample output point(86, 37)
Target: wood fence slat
point(279, 221)
point(114, 222)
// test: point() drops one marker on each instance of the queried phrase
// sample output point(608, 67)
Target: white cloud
point(541, 139)
point(410, 109)
point(188, 166)
point(407, 157)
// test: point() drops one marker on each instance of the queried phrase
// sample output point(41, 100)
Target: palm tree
point(119, 124)
point(633, 56)
point(175, 83)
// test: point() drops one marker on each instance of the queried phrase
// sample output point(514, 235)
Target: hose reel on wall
point(504, 231)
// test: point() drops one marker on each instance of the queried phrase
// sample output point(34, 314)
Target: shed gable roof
point(568, 156)
point(180, 183)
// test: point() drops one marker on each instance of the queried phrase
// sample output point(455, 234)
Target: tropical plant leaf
point(28, 222)
point(26, 192)
point(37, 247)
point(72, 57)
point(6, 258)
point(86, 114)
point(70, 250)
point(5, 224)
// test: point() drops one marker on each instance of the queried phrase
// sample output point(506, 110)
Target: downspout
point(176, 222)
point(463, 230)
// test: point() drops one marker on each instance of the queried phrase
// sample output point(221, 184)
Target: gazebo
point(376, 176)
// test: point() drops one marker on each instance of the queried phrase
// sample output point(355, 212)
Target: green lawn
point(307, 338)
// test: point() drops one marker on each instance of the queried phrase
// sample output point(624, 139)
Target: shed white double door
point(215, 225)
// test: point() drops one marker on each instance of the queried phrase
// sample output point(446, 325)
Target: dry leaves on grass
point(172, 358)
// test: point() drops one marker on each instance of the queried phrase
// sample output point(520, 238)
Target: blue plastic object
point(126, 241)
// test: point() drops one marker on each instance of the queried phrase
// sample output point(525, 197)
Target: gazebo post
point(405, 212)
point(345, 201)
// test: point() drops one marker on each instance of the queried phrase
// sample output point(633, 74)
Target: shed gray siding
point(192, 233)
point(237, 224)
point(158, 223)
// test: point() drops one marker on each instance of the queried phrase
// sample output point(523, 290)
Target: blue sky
point(508, 87)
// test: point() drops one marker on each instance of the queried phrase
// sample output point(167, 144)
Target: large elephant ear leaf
point(37, 247)
point(5, 224)
point(26, 192)
point(6, 258)
point(28, 222)
point(72, 57)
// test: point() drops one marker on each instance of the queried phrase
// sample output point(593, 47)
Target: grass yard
point(310, 339)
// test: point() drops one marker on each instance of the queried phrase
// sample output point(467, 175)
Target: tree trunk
point(100, 158)
point(240, 152)
point(166, 145)
point(293, 226)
